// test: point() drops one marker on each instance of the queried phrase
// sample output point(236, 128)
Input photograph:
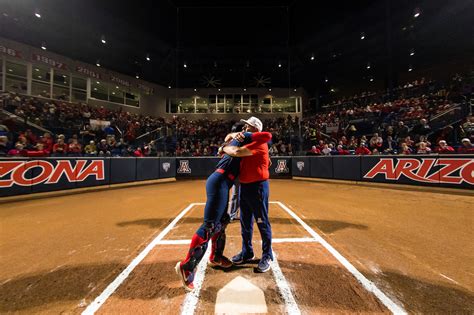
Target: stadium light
point(147, 57)
point(326, 80)
point(410, 68)
point(185, 65)
point(368, 65)
point(169, 86)
point(312, 56)
point(245, 89)
point(294, 90)
point(195, 90)
point(219, 90)
point(279, 64)
point(412, 52)
point(371, 80)
point(362, 35)
point(38, 13)
point(97, 63)
point(102, 39)
point(137, 76)
point(43, 45)
point(417, 13)
point(269, 89)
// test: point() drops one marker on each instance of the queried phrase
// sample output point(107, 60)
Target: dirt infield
point(59, 254)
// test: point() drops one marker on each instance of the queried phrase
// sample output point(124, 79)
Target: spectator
point(444, 148)
point(60, 148)
point(74, 148)
point(376, 142)
point(18, 150)
point(314, 151)
point(340, 150)
point(421, 129)
point(405, 149)
point(38, 151)
point(362, 149)
point(402, 130)
point(102, 148)
point(91, 149)
point(3, 146)
point(423, 148)
point(326, 150)
point(467, 147)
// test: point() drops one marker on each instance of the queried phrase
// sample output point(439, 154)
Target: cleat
point(223, 262)
point(263, 265)
point(188, 286)
point(240, 259)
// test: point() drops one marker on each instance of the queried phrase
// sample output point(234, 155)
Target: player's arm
point(237, 151)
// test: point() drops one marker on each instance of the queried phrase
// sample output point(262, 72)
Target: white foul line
point(366, 283)
point(97, 303)
point(285, 291)
point(192, 298)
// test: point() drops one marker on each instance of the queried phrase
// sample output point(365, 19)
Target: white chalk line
point(450, 279)
point(100, 300)
point(192, 298)
point(366, 283)
point(290, 303)
point(275, 240)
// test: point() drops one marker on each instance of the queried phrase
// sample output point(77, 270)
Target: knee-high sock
point(196, 252)
point(218, 245)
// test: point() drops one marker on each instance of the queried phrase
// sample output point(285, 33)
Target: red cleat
point(184, 276)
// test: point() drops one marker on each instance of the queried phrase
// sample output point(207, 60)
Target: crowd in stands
point(362, 125)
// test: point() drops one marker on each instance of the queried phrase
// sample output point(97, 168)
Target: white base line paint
point(192, 298)
point(275, 240)
point(290, 304)
point(366, 283)
point(97, 303)
point(446, 277)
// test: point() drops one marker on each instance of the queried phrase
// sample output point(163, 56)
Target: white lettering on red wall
point(49, 173)
point(88, 72)
point(49, 61)
point(448, 170)
point(10, 52)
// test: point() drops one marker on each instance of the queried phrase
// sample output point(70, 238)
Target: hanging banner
point(88, 72)
point(49, 61)
point(10, 52)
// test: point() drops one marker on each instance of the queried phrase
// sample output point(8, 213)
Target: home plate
point(240, 296)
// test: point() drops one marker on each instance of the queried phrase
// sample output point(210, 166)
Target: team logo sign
point(16, 172)
point(184, 167)
point(442, 170)
point(166, 166)
point(300, 165)
point(281, 167)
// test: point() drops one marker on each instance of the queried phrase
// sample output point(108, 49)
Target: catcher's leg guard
point(198, 247)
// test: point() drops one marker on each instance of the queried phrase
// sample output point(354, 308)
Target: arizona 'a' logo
point(281, 167)
point(184, 167)
point(166, 166)
point(300, 165)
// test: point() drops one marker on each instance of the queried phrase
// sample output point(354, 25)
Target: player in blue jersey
point(215, 213)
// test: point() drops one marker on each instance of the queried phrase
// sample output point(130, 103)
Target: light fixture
point(245, 89)
point(137, 76)
point(362, 35)
point(169, 86)
point(371, 80)
point(412, 52)
point(97, 63)
point(219, 90)
point(185, 65)
point(95, 89)
point(38, 13)
point(416, 13)
point(40, 77)
point(410, 68)
point(113, 93)
point(43, 45)
point(270, 90)
point(294, 90)
point(102, 39)
point(97, 82)
point(279, 64)
point(147, 57)
point(116, 87)
point(36, 69)
point(368, 65)
point(312, 56)
point(326, 80)
point(195, 90)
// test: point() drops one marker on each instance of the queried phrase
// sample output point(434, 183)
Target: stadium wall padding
point(20, 176)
